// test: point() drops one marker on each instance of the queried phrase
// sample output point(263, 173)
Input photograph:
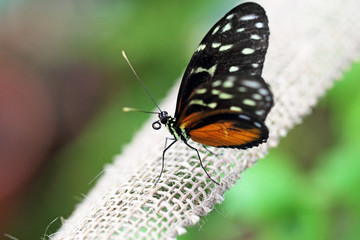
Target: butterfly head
point(164, 118)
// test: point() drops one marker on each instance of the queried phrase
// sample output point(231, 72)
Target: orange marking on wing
point(196, 116)
point(224, 134)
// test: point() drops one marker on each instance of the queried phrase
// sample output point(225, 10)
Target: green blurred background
point(63, 83)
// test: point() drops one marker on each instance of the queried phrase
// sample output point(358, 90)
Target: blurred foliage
point(307, 188)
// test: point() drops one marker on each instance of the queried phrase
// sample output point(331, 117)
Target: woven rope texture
point(311, 44)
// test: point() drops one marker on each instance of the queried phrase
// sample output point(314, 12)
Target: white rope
point(311, 44)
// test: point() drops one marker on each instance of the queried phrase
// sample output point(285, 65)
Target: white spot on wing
point(249, 17)
point(216, 29)
point(215, 91)
point(255, 65)
point(257, 96)
point(226, 27)
point(235, 108)
point(225, 96)
point(240, 29)
point(201, 103)
point(200, 69)
point(259, 25)
point(212, 105)
point(228, 84)
point(249, 102)
point(259, 112)
point(263, 91)
point(200, 47)
point(211, 70)
point(197, 102)
point(255, 37)
point(230, 16)
point(247, 51)
point(251, 83)
point(216, 45)
point(225, 47)
point(244, 117)
point(216, 83)
point(233, 69)
point(257, 124)
point(201, 91)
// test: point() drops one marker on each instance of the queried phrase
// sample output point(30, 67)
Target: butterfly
point(223, 101)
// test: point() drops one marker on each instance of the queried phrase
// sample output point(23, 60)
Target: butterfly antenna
point(127, 60)
point(127, 109)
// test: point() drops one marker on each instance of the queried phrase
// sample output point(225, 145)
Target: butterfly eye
point(156, 125)
point(163, 117)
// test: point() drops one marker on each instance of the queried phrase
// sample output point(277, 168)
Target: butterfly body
point(175, 130)
point(223, 101)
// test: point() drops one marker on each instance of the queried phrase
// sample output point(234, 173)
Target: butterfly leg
point(163, 159)
point(210, 151)
point(202, 166)
point(168, 138)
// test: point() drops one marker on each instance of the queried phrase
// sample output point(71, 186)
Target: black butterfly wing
point(228, 112)
point(237, 43)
